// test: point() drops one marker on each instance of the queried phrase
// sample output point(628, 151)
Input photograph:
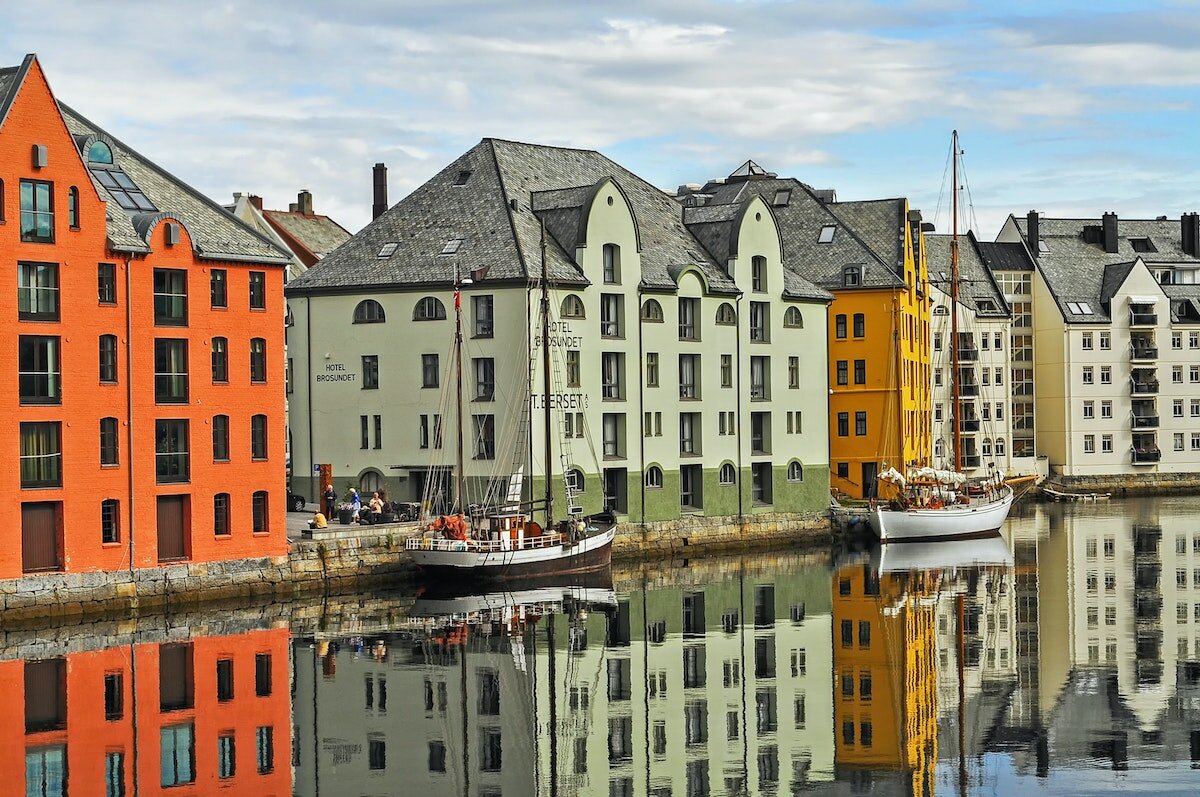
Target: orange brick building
point(210, 715)
point(144, 346)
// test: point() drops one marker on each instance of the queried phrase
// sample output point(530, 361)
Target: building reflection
point(185, 717)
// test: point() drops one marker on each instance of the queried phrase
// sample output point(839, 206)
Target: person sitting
point(374, 510)
point(318, 521)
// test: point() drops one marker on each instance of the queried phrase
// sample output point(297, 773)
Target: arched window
point(99, 152)
point(654, 476)
point(370, 481)
point(429, 308)
point(73, 208)
point(726, 315)
point(574, 479)
point(758, 274)
point(612, 264)
point(793, 318)
point(941, 309)
point(572, 307)
point(652, 312)
point(727, 475)
point(986, 448)
point(851, 276)
point(795, 471)
point(999, 446)
point(369, 311)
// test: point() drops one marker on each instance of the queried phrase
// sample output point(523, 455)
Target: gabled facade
point(685, 378)
point(145, 338)
point(870, 256)
point(306, 235)
point(1116, 328)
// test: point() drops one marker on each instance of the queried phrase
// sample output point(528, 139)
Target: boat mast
point(955, 399)
point(460, 467)
point(546, 382)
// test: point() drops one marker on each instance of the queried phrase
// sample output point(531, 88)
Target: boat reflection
point(204, 714)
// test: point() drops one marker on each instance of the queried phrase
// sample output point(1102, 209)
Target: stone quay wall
point(1127, 484)
point(341, 564)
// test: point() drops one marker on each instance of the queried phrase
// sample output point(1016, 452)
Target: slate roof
point(1005, 256)
point(1076, 270)
point(10, 80)
point(800, 222)
point(497, 213)
point(880, 223)
point(976, 284)
point(319, 234)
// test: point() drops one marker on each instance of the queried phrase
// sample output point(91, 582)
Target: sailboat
point(505, 542)
point(938, 503)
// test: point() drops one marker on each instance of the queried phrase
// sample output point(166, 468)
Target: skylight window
point(451, 246)
point(1142, 245)
point(1079, 308)
point(1042, 247)
point(120, 186)
point(462, 177)
point(826, 236)
point(388, 249)
point(782, 197)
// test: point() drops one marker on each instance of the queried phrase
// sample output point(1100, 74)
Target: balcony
point(1143, 318)
point(968, 355)
point(1145, 421)
point(1147, 387)
point(1146, 456)
point(970, 461)
point(969, 425)
point(1142, 348)
point(968, 389)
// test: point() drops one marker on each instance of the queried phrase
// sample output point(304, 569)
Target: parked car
point(296, 502)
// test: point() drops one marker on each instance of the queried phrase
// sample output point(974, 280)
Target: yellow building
point(871, 257)
point(885, 675)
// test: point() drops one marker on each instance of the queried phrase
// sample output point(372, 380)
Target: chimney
point(256, 200)
point(1190, 225)
point(1033, 233)
point(293, 207)
point(1108, 223)
point(304, 202)
point(379, 178)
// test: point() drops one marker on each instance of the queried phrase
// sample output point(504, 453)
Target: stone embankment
point(343, 561)
point(1127, 484)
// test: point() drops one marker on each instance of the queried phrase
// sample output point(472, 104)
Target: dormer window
point(852, 276)
point(782, 197)
point(1142, 245)
point(462, 177)
point(826, 236)
point(99, 152)
point(985, 305)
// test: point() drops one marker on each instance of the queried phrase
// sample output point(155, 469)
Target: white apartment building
point(1115, 306)
point(689, 359)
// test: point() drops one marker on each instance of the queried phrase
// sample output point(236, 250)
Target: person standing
point(355, 502)
point(330, 500)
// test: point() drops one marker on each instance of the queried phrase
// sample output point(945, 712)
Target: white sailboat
point(942, 504)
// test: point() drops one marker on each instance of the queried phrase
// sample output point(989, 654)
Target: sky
point(1071, 108)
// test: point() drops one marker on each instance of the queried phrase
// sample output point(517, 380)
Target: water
point(775, 674)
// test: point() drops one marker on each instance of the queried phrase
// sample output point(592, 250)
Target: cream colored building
point(689, 368)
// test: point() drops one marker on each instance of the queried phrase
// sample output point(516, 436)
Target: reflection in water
point(1063, 657)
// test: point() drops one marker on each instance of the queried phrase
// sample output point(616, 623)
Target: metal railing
point(1145, 456)
point(481, 546)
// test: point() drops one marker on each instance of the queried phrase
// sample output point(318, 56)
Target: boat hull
point(948, 523)
point(587, 555)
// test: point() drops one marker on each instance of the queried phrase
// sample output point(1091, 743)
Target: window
point(430, 424)
point(258, 437)
point(220, 360)
point(612, 368)
point(612, 264)
point(221, 521)
point(39, 374)
point(840, 326)
point(106, 283)
point(1088, 376)
point(793, 373)
point(795, 472)
point(1194, 374)
point(860, 325)
point(377, 752)
point(793, 319)
point(1106, 375)
point(860, 424)
point(826, 234)
point(1177, 374)
point(37, 291)
point(758, 274)
point(651, 369)
point(1105, 341)
point(726, 315)
point(170, 297)
point(1106, 409)
point(429, 370)
point(108, 441)
point(218, 288)
point(574, 478)
point(437, 756)
point(258, 290)
point(1177, 408)
point(260, 520)
point(482, 316)
point(1089, 409)
point(262, 674)
point(429, 308)
point(369, 311)
point(370, 371)
point(490, 756)
point(687, 319)
point(760, 378)
point(1089, 444)
point(612, 428)
point(652, 312)
point(1086, 340)
point(726, 370)
point(258, 360)
point(843, 470)
point(171, 462)
point(937, 341)
point(37, 211)
point(689, 376)
point(572, 307)
point(727, 474)
point(572, 368)
point(852, 276)
point(1193, 340)
point(226, 756)
point(860, 372)
point(170, 371)
point(1106, 443)
point(41, 454)
point(610, 315)
point(843, 424)
point(689, 433)
point(177, 754)
point(760, 322)
point(843, 372)
point(654, 477)
point(265, 749)
point(760, 433)
point(485, 436)
point(110, 522)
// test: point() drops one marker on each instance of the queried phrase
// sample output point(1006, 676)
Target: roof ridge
point(496, 140)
